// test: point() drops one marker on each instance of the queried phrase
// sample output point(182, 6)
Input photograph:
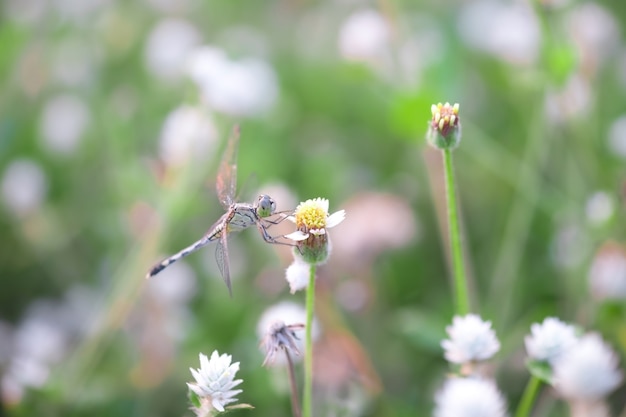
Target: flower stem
point(529, 397)
point(460, 281)
point(308, 347)
point(295, 406)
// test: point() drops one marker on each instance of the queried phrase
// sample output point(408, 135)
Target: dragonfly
point(238, 216)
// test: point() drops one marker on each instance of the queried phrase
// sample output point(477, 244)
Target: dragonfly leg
point(272, 239)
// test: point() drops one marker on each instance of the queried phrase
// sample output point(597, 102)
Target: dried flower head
point(281, 336)
point(215, 380)
point(471, 339)
point(444, 129)
point(312, 219)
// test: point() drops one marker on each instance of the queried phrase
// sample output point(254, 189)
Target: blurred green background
point(113, 115)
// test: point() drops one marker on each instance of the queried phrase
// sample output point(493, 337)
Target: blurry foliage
point(111, 206)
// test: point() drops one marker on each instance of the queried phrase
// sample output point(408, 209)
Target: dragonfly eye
point(266, 206)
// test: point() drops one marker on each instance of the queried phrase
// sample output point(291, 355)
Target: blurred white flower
point(588, 371)
point(215, 380)
point(595, 32)
point(469, 397)
point(26, 12)
point(571, 101)
point(607, 275)
point(570, 246)
point(364, 36)
point(550, 340)
point(471, 339)
point(176, 286)
point(297, 275)
point(617, 136)
point(289, 314)
point(187, 132)
point(247, 87)
point(78, 11)
point(24, 186)
point(509, 31)
point(168, 47)
point(63, 122)
point(599, 207)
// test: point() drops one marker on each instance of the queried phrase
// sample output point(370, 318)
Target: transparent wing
point(221, 256)
point(226, 182)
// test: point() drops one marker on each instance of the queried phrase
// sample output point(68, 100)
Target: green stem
point(525, 405)
point(460, 281)
point(308, 347)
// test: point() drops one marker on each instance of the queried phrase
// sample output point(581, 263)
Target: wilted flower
point(312, 220)
point(468, 397)
point(550, 339)
point(471, 339)
point(292, 315)
point(215, 380)
point(281, 336)
point(588, 371)
point(444, 129)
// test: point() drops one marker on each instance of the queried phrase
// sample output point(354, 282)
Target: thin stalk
point(295, 406)
point(308, 348)
point(528, 399)
point(460, 281)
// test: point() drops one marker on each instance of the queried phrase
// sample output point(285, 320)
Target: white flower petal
point(297, 236)
point(550, 339)
point(215, 380)
point(335, 218)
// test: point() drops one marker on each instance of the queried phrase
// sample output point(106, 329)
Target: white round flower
point(169, 44)
point(588, 371)
point(599, 207)
point(550, 339)
point(188, 131)
point(297, 275)
point(364, 35)
point(243, 88)
point(215, 380)
point(24, 186)
point(471, 339)
point(617, 135)
point(63, 122)
point(468, 397)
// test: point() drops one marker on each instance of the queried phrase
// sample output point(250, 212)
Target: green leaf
point(541, 370)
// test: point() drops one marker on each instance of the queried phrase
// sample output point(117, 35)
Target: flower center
point(310, 216)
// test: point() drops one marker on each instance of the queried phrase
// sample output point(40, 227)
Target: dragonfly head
point(265, 206)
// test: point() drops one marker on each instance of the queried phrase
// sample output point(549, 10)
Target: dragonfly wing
point(226, 182)
point(221, 256)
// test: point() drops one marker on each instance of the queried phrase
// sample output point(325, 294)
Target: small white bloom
point(588, 371)
point(617, 134)
point(471, 339)
point(168, 46)
point(246, 87)
point(468, 397)
point(188, 131)
point(550, 339)
point(364, 36)
point(24, 186)
point(63, 123)
point(297, 275)
point(599, 207)
point(215, 380)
